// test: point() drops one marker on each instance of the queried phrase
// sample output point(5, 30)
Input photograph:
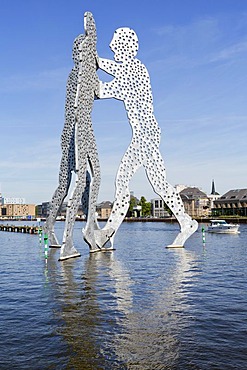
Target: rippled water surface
point(140, 307)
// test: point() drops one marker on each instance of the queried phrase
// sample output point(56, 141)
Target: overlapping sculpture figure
point(131, 84)
point(79, 151)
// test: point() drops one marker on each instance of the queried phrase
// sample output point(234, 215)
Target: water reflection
point(80, 313)
point(140, 307)
point(151, 336)
point(108, 322)
point(120, 277)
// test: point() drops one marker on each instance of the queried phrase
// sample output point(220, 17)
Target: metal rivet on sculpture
point(131, 84)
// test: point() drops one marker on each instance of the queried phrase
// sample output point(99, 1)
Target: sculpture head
point(89, 24)
point(124, 44)
point(90, 31)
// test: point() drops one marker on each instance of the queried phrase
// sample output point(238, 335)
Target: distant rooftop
point(235, 194)
point(192, 193)
point(106, 204)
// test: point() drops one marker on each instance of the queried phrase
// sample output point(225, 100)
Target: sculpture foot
point(103, 236)
point(110, 249)
point(102, 250)
point(53, 242)
point(88, 236)
point(187, 230)
point(94, 250)
point(69, 256)
point(174, 246)
point(68, 251)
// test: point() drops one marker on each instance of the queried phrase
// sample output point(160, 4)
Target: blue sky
point(196, 54)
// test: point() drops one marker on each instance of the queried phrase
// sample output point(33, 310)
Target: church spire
point(213, 192)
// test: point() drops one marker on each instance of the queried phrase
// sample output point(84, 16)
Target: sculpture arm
point(106, 89)
point(107, 65)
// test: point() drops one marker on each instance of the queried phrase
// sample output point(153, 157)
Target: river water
point(142, 306)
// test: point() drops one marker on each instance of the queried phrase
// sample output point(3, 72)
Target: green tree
point(167, 209)
point(146, 207)
point(132, 204)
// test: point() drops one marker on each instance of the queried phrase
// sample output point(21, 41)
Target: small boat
point(222, 227)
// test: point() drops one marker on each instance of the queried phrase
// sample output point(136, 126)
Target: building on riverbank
point(104, 209)
point(16, 208)
point(232, 203)
point(196, 202)
point(43, 209)
point(158, 208)
point(17, 211)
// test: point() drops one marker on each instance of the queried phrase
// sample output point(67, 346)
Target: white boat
point(222, 227)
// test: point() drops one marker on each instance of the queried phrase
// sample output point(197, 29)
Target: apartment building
point(104, 209)
point(17, 211)
point(232, 203)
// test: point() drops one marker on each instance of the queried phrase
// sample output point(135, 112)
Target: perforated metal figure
point(78, 145)
point(85, 146)
point(67, 164)
point(131, 84)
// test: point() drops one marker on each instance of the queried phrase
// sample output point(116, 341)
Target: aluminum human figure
point(79, 151)
point(131, 84)
point(67, 165)
point(85, 145)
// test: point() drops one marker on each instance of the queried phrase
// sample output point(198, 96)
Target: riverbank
point(231, 219)
point(234, 220)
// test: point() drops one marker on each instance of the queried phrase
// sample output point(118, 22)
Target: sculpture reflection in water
point(131, 84)
point(155, 322)
point(113, 318)
point(92, 306)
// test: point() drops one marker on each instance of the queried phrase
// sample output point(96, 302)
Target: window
point(4, 211)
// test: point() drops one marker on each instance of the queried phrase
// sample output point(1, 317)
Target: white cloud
point(39, 81)
point(230, 52)
point(204, 41)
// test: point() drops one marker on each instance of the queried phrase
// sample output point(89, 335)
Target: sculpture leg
point(155, 170)
point(68, 250)
point(57, 200)
point(92, 224)
point(85, 195)
point(128, 166)
point(86, 200)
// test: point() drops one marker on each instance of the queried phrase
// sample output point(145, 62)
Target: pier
point(20, 229)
